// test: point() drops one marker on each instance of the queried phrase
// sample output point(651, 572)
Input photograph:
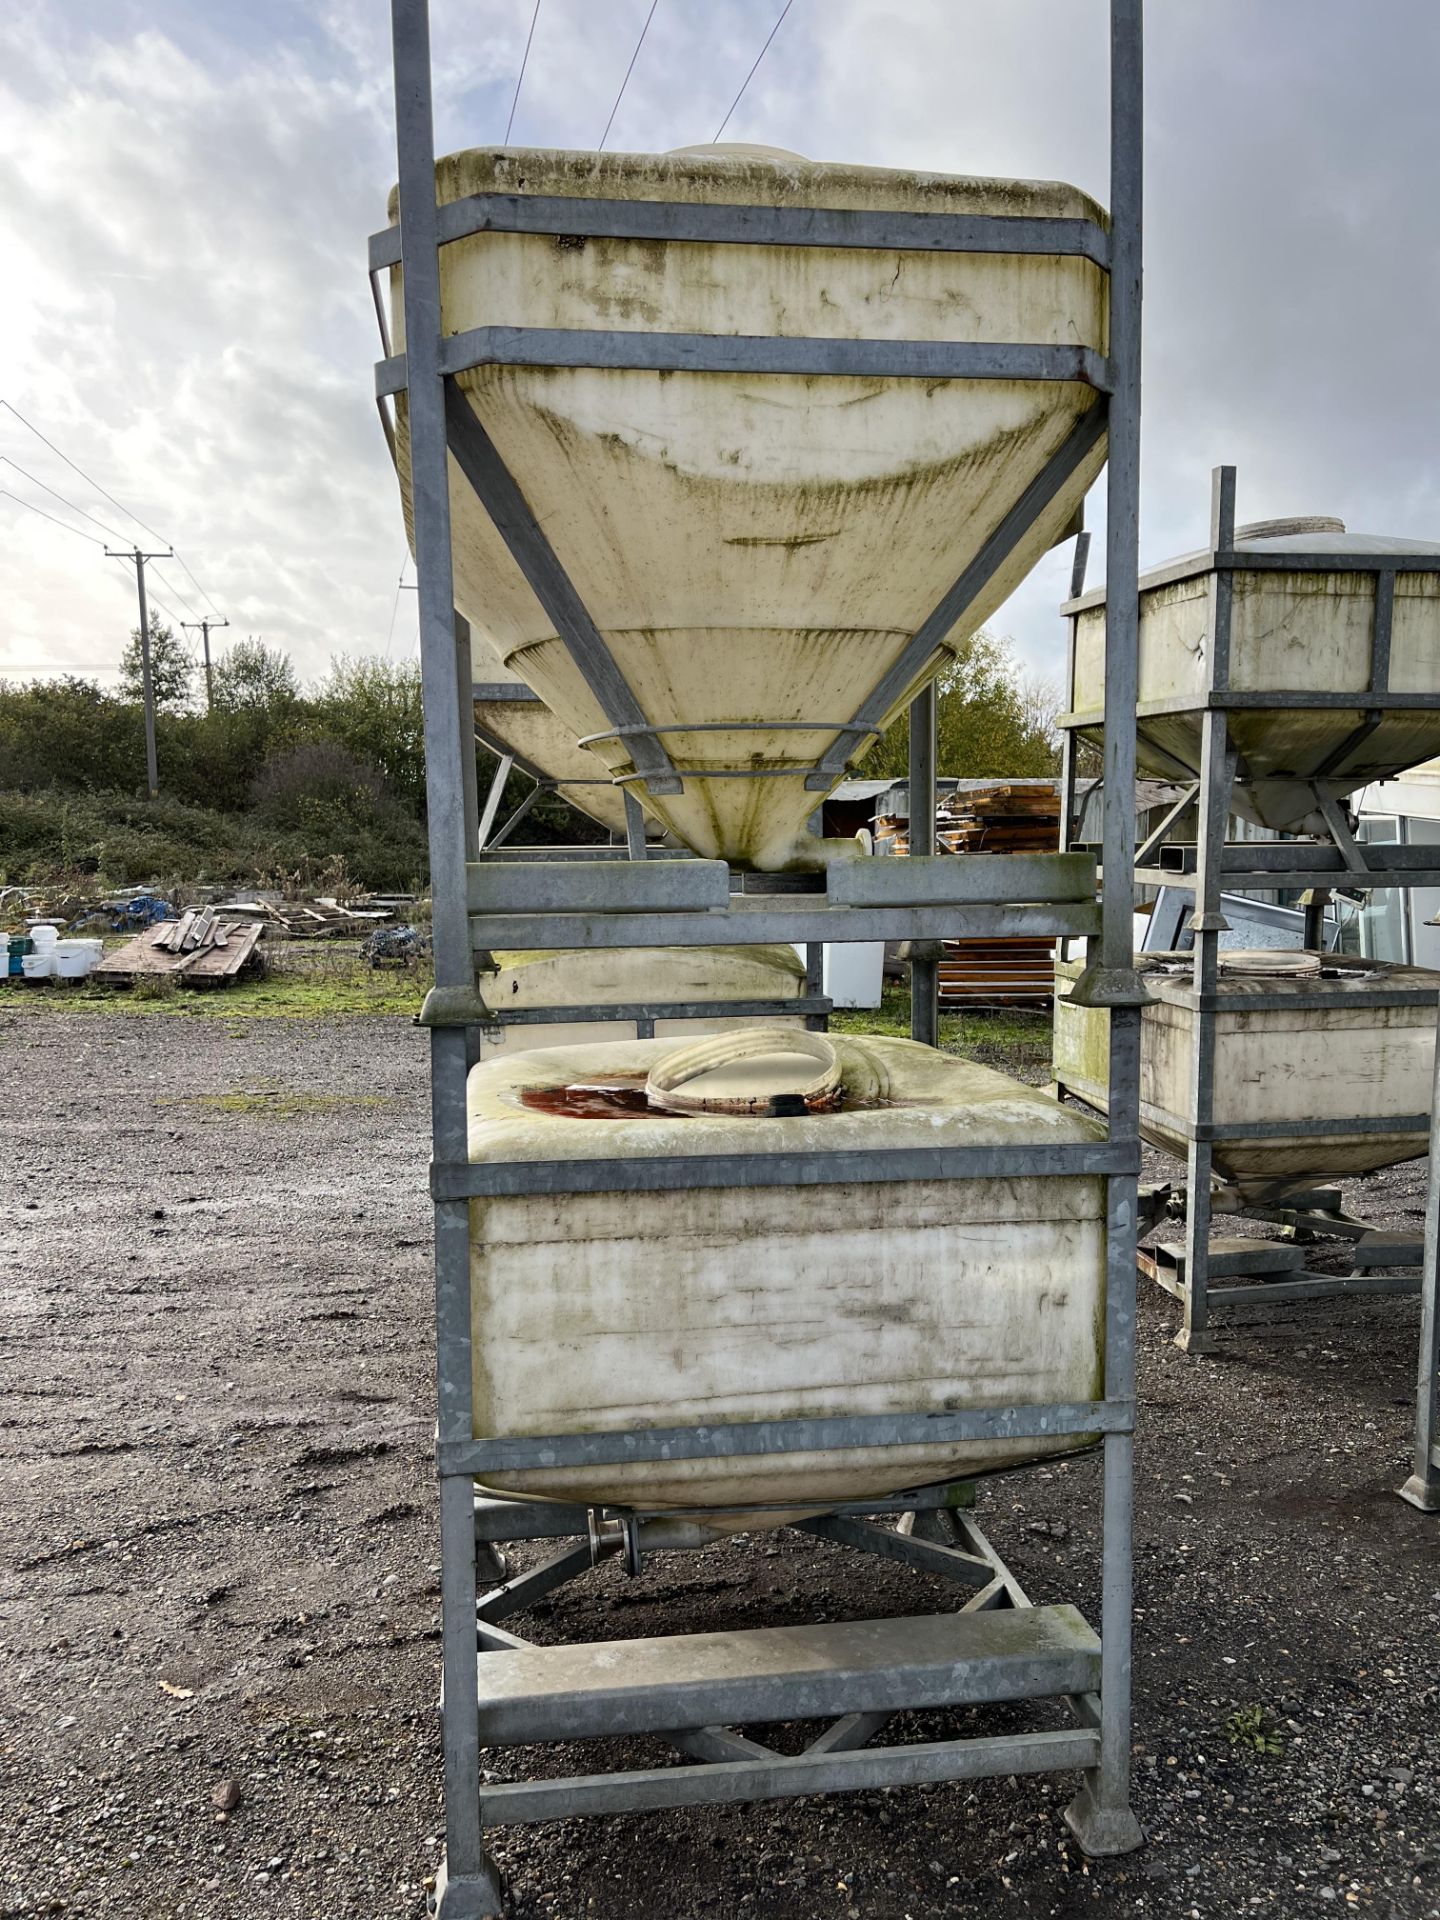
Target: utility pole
point(151, 767)
point(203, 627)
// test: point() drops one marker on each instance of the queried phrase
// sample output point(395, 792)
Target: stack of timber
point(1013, 816)
point(985, 817)
point(320, 919)
point(199, 949)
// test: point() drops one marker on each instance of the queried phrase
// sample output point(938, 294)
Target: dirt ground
point(219, 1555)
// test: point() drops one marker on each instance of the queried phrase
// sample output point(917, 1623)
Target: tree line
point(261, 777)
point(265, 778)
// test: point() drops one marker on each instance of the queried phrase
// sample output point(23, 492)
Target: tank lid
point(754, 1071)
point(1287, 529)
point(739, 150)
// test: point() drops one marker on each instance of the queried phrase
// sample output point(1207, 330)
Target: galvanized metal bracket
point(1101, 986)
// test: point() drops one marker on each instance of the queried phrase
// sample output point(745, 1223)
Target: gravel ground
point(219, 1580)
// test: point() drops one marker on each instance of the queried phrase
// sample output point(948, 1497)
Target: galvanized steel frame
point(1100, 1815)
point(1422, 1489)
point(1214, 866)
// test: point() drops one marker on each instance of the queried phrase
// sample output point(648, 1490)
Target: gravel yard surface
point(219, 1570)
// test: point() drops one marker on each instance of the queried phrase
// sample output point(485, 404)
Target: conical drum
point(1309, 617)
point(757, 551)
point(512, 719)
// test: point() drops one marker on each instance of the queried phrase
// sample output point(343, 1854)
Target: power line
point(520, 77)
point(6, 494)
point(751, 75)
point(91, 482)
point(395, 603)
point(80, 533)
point(60, 497)
point(170, 587)
point(196, 584)
point(628, 71)
point(78, 469)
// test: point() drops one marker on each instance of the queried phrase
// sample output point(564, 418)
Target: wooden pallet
point(195, 949)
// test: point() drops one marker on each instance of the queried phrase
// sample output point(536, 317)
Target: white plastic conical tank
point(756, 550)
point(600, 977)
point(611, 1311)
point(1337, 1048)
point(1292, 630)
point(526, 729)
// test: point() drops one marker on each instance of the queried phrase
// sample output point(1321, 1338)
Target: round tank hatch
point(1281, 964)
point(755, 1071)
point(1288, 529)
point(737, 150)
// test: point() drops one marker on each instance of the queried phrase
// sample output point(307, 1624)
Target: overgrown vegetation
point(990, 720)
point(271, 780)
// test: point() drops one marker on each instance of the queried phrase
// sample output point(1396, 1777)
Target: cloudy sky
point(186, 187)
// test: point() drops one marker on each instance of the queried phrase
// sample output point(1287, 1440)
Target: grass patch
point(303, 980)
point(279, 1102)
point(1011, 1039)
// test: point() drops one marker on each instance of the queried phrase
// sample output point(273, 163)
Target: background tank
point(1350, 1058)
point(529, 732)
point(611, 1311)
point(1303, 631)
point(630, 976)
point(754, 551)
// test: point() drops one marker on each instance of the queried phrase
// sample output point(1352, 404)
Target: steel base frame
point(1055, 1655)
point(1211, 868)
point(998, 1650)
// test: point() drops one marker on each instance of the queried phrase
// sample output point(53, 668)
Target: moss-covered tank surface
point(610, 1311)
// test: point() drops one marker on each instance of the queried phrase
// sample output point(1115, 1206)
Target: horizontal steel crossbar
point(781, 918)
point(730, 1781)
point(662, 1010)
point(490, 1179)
point(498, 1518)
point(619, 1688)
point(632, 351)
point(931, 880)
point(757, 1439)
point(1234, 561)
point(1296, 879)
point(636, 887)
point(1231, 700)
point(507, 693)
point(569, 217)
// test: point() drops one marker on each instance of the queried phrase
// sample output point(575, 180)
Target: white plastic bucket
point(44, 937)
point(37, 966)
point(73, 959)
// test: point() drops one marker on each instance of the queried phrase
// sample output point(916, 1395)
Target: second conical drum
point(755, 550)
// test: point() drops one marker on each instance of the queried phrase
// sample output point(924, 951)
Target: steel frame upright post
point(1422, 1489)
point(925, 966)
point(468, 1887)
point(1100, 1815)
point(1217, 764)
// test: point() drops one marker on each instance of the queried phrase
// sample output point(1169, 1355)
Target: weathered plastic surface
point(1303, 632)
point(754, 549)
point(1345, 1061)
point(645, 976)
point(532, 732)
point(608, 1312)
